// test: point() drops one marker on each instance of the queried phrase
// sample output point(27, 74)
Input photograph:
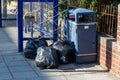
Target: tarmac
point(14, 66)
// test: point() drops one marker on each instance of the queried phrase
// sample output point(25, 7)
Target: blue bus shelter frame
point(21, 39)
point(0, 15)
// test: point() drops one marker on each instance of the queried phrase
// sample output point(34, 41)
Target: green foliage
point(62, 6)
point(115, 3)
point(85, 3)
point(8, 1)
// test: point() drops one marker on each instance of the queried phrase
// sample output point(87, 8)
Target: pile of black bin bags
point(47, 57)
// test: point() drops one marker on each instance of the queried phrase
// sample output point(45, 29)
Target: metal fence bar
point(107, 19)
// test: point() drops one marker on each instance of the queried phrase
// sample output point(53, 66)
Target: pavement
point(14, 66)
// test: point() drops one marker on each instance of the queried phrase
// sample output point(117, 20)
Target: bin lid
point(80, 10)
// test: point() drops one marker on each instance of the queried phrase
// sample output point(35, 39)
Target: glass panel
point(38, 17)
point(9, 9)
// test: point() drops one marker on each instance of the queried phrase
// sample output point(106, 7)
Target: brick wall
point(109, 51)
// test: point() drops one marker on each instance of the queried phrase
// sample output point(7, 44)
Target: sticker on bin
point(86, 27)
point(71, 16)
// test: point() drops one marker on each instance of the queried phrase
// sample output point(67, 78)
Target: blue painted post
point(41, 18)
point(55, 25)
point(30, 7)
point(0, 15)
point(20, 25)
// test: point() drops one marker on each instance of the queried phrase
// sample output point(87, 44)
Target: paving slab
point(43, 78)
point(3, 67)
point(4, 40)
point(100, 76)
point(7, 46)
point(53, 78)
point(49, 72)
point(13, 33)
point(5, 76)
point(2, 64)
point(26, 74)
point(10, 58)
point(10, 52)
point(4, 36)
point(20, 68)
point(1, 59)
point(76, 77)
point(17, 63)
point(36, 78)
point(1, 31)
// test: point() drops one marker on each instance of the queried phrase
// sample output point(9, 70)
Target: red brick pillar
point(118, 30)
point(118, 43)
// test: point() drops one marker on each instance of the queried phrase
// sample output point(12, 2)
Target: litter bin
point(81, 29)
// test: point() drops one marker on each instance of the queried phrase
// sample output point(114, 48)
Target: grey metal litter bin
point(81, 29)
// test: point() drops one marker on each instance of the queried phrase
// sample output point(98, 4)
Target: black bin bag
point(30, 50)
point(65, 51)
point(46, 58)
